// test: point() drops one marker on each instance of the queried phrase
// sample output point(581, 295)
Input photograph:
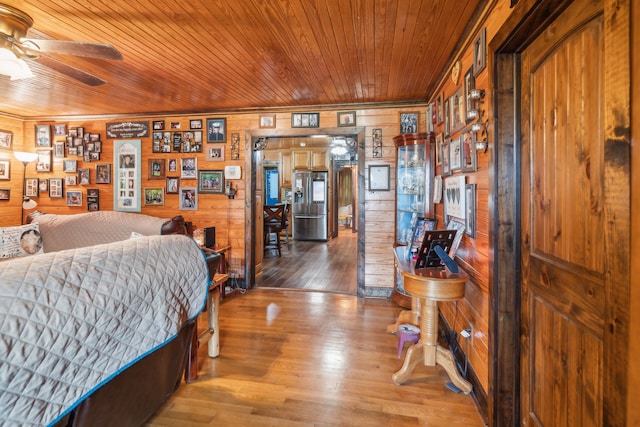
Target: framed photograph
point(5, 193)
point(409, 122)
point(172, 185)
point(172, 166)
point(429, 116)
point(347, 118)
point(175, 125)
point(188, 198)
point(421, 227)
point(434, 115)
point(103, 174)
point(215, 153)
point(43, 136)
point(58, 150)
point(469, 155)
point(305, 120)
point(5, 166)
point(59, 129)
point(439, 141)
point(232, 172)
point(70, 166)
point(158, 125)
point(188, 167)
point(93, 199)
point(43, 185)
point(217, 130)
point(70, 180)
point(470, 206)
point(195, 124)
point(446, 159)
point(469, 83)
point(157, 169)
point(458, 114)
point(455, 157)
point(31, 187)
point(154, 196)
point(379, 178)
point(43, 163)
point(84, 176)
point(74, 198)
point(480, 52)
point(211, 181)
point(440, 109)
point(55, 188)
point(454, 198)
point(127, 157)
point(267, 121)
point(6, 140)
point(447, 118)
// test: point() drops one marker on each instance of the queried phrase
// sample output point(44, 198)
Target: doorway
point(255, 197)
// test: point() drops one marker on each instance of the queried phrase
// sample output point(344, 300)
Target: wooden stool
point(427, 286)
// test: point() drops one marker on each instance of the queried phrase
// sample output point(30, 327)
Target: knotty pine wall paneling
point(11, 210)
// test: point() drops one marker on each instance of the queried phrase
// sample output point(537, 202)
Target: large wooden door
point(564, 258)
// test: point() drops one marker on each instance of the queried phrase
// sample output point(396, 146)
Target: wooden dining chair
point(273, 225)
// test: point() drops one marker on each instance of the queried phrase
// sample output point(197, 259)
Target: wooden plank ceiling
point(191, 56)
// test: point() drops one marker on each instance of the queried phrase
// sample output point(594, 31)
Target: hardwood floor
point(306, 358)
point(322, 266)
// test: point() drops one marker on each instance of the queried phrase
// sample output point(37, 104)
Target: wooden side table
point(427, 286)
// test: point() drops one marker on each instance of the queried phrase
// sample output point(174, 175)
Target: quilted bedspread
point(72, 320)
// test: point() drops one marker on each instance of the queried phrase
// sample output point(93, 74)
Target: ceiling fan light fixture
point(12, 66)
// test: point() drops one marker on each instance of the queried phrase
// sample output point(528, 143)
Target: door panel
point(563, 250)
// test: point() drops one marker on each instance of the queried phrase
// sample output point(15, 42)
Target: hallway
point(320, 266)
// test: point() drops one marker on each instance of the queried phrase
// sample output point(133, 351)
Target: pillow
point(20, 241)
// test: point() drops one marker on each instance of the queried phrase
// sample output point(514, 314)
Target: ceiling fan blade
point(91, 50)
point(70, 71)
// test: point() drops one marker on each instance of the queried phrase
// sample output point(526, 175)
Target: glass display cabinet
point(415, 167)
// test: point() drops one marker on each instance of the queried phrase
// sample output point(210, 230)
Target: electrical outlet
point(465, 333)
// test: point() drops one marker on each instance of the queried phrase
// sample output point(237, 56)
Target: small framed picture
point(5, 193)
point(211, 181)
point(43, 185)
point(158, 125)
point(31, 187)
point(458, 114)
point(4, 169)
point(43, 163)
point(439, 109)
point(157, 169)
point(59, 129)
point(447, 117)
point(446, 159)
point(455, 157)
point(6, 140)
point(305, 120)
point(195, 124)
point(469, 83)
point(175, 125)
point(70, 166)
point(172, 166)
point(74, 198)
point(470, 207)
point(469, 155)
point(188, 167)
point(480, 52)
point(84, 176)
point(154, 196)
point(58, 150)
point(188, 198)
point(71, 180)
point(232, 172)
point(379, 178)
point(55, 188)
point(216, 130)
point(409, 122)
point(215, 153)
point(439, 140)
point(43, 136)
point(172, 185)
point(267, 121)
point(103, 174)
point(347, 118)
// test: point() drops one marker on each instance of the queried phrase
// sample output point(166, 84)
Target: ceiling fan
point(15, 47)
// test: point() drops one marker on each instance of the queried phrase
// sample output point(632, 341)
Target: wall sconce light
point(481, 127)
point(476, 94)
point(376, 135)
point(25, 158)
point(260, 143)
point(235, 146)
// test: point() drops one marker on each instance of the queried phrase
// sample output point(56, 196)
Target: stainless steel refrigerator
point(309, 207)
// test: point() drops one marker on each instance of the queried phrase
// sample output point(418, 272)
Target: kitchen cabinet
point(415, 167)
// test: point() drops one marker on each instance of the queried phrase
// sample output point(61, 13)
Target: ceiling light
point(339, 150)
point(13, 67)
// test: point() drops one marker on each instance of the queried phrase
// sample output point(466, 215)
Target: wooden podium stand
point(427, 286)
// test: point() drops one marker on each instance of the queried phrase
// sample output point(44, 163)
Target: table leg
point(212, 314)
point(414, 356)
point(445, 359)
